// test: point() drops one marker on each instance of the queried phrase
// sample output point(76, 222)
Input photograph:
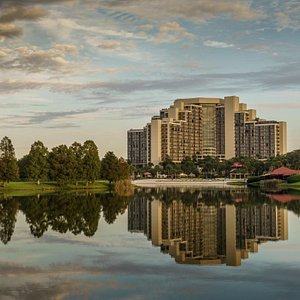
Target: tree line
point(63, 164)
point(213, 167)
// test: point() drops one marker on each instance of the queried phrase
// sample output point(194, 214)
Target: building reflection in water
point(206, 234)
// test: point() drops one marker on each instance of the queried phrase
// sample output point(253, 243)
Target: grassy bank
point(237, 183)
point(26, 188)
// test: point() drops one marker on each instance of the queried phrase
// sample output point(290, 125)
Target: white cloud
point(4, 52)
point(65, 48)
point(172, 32)
point(217, 44)
point(64, 28)
point(14, 10)
point(287, 14)
point(145, 27)
point(196, 10)
point(115, 45)
point(34, 60)
point(285, 20)
point(15, 13)
point(258, 47)
point(284, 76)
point(8, 30)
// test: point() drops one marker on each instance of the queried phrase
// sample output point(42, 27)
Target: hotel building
point(199, 127)
point(139, 146)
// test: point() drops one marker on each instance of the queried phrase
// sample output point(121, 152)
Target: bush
point(293, 179)
point(123, 187)
point(255, 179)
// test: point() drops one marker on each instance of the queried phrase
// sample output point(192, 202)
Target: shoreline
point(152, 183)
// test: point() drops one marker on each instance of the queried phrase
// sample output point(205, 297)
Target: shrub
point(123, 187)
point(255, 179)
point(293, 179)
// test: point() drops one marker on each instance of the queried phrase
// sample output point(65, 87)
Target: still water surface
point(157, 244)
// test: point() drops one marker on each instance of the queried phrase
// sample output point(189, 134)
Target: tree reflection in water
point(79, 213)
point(8, 213)
point(67, 212)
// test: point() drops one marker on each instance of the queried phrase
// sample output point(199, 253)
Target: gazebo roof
point(284, 171)
point(237, 165)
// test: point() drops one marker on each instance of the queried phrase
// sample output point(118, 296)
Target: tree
point(37, 162)
point(8, 163)
point(227, 167)
point(209, 165)
point(62, 164)
point(22, 165)
point(188, 166)
point(91, 161)
point(77, 155)
point(155, 170)
point(110, 167)
point(167, 161)
point(293, 159)
point(170, 168)
point(124, 169)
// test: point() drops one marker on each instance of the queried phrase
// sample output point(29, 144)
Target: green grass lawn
point(52, 186)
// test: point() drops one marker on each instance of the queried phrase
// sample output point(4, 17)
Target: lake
point(157, 244)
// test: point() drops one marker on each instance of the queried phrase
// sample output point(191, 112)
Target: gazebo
point(282, 173)
point(238, 171)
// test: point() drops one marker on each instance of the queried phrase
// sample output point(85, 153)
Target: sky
point(72, 70)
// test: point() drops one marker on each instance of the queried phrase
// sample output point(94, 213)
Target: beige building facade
point(216, 127)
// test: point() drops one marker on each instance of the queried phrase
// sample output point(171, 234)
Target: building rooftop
point(284, 171)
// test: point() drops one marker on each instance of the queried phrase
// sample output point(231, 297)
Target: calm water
point(157, 244)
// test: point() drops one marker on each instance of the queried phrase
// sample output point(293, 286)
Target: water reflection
point(199, 227)
point(68, 212)
point(195, 227)
point(8, 212)
point(208, 227)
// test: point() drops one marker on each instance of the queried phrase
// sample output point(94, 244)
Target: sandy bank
point(184, 183)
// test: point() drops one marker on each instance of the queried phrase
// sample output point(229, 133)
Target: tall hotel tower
point(199, 127)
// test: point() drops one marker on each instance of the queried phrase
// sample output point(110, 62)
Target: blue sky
point(76, 70)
